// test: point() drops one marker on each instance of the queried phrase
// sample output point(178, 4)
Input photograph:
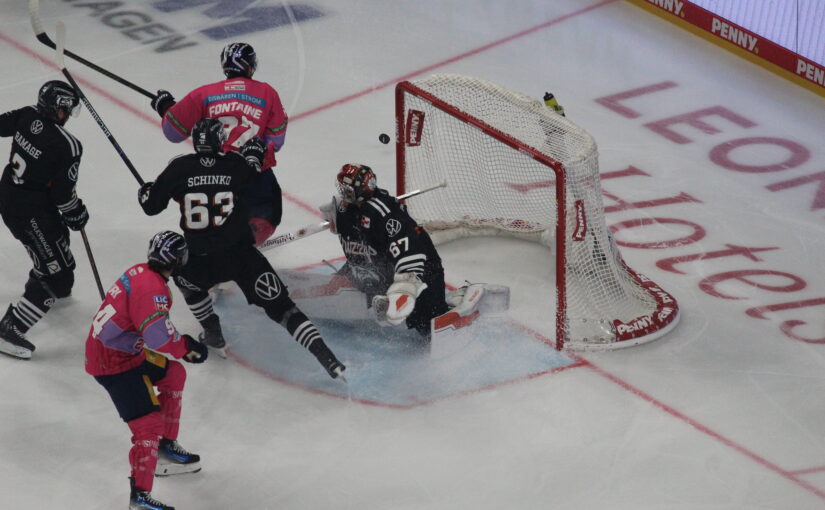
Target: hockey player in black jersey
point(389, 256)
point(38, 202)
point(207, 185)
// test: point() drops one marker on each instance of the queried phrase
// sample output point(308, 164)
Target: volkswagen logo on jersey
point(73, 172)
point(393, 227)
point(186, 284)
point(208, 162)
point(36, 127)
point(267, 286)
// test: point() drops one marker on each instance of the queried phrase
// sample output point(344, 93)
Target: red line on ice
point(789, 475)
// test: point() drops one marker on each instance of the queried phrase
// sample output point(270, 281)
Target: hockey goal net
point(515, 167)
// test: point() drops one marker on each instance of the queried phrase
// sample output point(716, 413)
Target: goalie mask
point(167, 251)
point(208, 136)
point(58, 95)
point(356, 183)
point(239, 59)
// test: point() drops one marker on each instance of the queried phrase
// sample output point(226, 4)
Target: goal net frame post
point(634, 330)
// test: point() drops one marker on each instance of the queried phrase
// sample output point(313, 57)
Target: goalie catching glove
point(401, 296)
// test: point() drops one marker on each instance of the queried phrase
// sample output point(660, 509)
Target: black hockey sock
point(304, 332)
point(201, 306)
point(32, 306)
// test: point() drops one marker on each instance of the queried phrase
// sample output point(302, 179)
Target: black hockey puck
point(384, 138)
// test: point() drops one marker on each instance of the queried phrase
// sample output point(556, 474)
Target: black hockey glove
point(77, 217)
point(143, 192)
point(197, 352)
point(162, 102)
point(253, 151)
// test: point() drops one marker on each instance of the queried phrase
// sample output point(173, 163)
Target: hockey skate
point(143, 500)
point(173, 459)
point(334, 368)
point(212, 335)
point(12, 341)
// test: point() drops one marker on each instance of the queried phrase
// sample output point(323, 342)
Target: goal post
point(517, 168)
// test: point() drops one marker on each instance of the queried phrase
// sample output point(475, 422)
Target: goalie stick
point(61, 39)
point(43, 37)
point(309, 230)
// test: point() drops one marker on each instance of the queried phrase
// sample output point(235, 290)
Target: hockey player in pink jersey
point(128, 332)
point(247, 108)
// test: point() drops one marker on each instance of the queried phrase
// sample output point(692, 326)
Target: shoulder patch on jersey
point(127, 284)
point(393, 227)
point(365, 221)
point(73, 171)
point(36, 127)
point(161, 303)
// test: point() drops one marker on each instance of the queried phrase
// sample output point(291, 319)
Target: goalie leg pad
point(402, 294)
point(465, 312)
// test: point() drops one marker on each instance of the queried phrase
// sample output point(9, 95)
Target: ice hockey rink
point(723, 211)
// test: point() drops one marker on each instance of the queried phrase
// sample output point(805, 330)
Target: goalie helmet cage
point(517, 168)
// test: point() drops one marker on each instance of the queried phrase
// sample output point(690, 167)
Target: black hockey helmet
point(208, 136)
point(167, 251)
point(356, 183)
point(57, 95)
point(239, 59)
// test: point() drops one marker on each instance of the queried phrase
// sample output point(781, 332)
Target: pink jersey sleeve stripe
point(277, 129)
point(149, 319)
point(173, 121)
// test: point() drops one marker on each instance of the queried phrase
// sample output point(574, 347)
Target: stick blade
point(34, 17)
point(60, 34)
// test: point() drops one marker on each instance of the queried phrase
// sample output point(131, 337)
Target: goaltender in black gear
point(389, 256)
point(207, 185)
point(38, 201)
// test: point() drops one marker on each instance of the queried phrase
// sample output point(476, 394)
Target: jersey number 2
point(18, 166)
point(237, 135)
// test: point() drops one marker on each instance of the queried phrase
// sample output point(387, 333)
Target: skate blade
point(177, 469)
point(220, 351)
point(15, 351)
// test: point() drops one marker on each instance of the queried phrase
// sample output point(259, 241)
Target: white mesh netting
point(497, 149)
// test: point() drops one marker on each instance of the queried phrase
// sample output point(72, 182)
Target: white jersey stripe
point(74, 145)
point(379, 206)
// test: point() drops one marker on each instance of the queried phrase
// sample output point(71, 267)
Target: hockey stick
point(324, 225)
point(42, 36)
point(92, 262)
point(61, 40)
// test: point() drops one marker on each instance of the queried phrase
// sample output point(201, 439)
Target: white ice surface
point(724, 413)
